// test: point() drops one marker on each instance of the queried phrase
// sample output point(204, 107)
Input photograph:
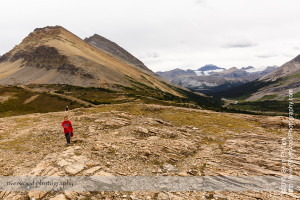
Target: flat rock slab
point(74, 169)
point(59, 197)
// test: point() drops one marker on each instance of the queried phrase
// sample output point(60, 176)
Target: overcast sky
point(166, 34)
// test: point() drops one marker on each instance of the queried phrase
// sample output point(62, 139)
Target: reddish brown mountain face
point(53, 55)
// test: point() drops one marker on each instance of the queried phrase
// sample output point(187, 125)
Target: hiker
point(68, 130)
point(67, 108)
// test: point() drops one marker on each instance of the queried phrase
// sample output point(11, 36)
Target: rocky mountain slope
point(274, 85)
point(280, 81)
point(114, 49)
point(245, 73)
point(145, 140)
point(290, 68)
point(211, 79)
point(53, 55)
point(175, 73)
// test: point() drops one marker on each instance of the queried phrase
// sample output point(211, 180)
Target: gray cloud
point(153, 55)
point(150, 55)
point(240, 44)
point(203, 2)
point(289, 55)
point(297, 48)
point(267, 55)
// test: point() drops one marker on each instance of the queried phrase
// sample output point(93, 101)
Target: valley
point(128, 121)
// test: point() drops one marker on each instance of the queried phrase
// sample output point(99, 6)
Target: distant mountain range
point(211, 78)
point(274, 85)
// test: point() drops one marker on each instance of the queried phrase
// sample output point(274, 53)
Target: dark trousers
point(68, 137)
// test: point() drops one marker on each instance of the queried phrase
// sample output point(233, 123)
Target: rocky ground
point(144, 140)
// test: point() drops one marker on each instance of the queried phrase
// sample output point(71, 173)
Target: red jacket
point(67, 126)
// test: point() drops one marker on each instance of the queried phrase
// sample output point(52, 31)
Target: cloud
point(203, 2)
point(153, 55)
point(150, 55)
point(240, 44)
point(296, 47)
point(289, 55)
point(267, 55)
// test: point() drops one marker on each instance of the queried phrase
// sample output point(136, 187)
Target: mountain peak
point(209, 67)
point(247, 68)
point(115, 50)
point(46, 28)
point(46, 32)
point(288, 69)
point(297, 59)
point(38, 42)
point(98, 37)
